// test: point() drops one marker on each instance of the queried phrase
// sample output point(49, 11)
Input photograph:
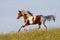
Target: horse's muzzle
point(17, 17)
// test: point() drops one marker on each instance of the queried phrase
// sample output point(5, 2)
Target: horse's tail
point(50, 17)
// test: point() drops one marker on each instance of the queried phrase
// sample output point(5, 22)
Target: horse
point(29, 19)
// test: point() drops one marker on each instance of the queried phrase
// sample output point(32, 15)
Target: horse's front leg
point(25, 24)
point(20, 28)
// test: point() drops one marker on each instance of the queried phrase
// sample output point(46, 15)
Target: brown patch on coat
point(25, 17)
point(37, 20)
point(33, 20)
point(26, 20)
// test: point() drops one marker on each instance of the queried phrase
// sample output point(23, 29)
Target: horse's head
point(19, 14)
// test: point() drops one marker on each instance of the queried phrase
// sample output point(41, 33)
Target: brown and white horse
point(29, 19)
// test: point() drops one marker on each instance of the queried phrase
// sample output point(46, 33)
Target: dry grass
point(49, 34)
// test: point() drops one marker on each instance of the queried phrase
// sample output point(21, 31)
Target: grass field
point(49, 34)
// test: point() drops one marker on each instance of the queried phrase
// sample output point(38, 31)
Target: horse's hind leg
point(39, 24)
point(45, 25)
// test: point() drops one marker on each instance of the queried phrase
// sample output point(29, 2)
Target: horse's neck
point(25, 18)
point(26, 15)
point(25, 12)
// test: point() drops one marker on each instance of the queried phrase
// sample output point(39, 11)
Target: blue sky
point(9, 10)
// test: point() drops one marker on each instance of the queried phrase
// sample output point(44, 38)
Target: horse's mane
point(27, 12)
point(30, 13)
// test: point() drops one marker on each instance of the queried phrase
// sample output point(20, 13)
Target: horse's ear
point(19, 11)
